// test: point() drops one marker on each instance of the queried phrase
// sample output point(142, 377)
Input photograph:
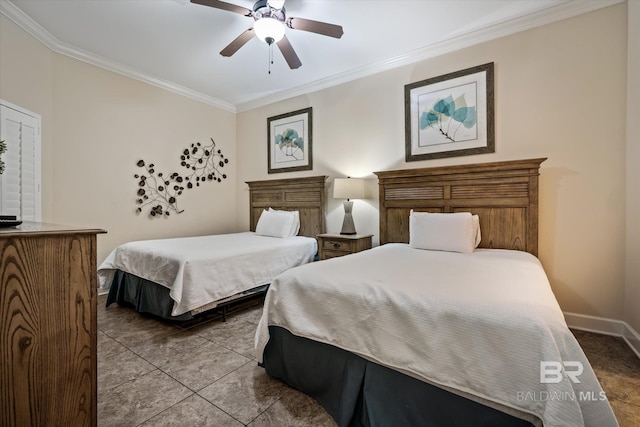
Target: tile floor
point(152, 373)
point(618, 370)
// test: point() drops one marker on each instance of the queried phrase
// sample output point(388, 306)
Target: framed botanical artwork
point(289, 142)
point(450, 115)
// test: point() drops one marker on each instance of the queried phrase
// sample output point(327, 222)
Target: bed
point(402, 336)
point(176, 279)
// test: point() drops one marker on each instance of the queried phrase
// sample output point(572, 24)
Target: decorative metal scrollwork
point(159, 192)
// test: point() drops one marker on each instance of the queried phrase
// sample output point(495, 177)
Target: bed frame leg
point(224, 313)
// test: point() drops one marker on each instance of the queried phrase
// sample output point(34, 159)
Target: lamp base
point(348, 227)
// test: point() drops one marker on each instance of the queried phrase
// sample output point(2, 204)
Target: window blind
point(20, 182)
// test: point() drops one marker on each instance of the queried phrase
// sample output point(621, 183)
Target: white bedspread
point(478, 323)
point(203, 269)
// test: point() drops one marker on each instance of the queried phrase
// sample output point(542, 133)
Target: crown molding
point(34, 29)
point(539, 18)
point(560, 12)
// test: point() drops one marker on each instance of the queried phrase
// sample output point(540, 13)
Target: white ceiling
point(175, 44)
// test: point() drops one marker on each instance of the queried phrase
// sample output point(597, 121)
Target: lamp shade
point(348, 188)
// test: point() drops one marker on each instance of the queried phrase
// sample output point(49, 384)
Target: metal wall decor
point(159, 192)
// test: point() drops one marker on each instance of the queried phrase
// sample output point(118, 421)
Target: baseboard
point(602, 325)
point(632, 338)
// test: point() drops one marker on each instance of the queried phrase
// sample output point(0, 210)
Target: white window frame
point(5, 108)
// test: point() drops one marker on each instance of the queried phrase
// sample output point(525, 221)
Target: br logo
point(552, 372)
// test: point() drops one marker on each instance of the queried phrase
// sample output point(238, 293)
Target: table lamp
point(348, 188)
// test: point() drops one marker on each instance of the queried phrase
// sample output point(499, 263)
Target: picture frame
point(450, 115)
point(289, 142)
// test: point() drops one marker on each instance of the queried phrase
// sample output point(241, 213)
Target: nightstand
point(335, 245)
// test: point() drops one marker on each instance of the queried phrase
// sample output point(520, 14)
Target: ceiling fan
point(270, 23)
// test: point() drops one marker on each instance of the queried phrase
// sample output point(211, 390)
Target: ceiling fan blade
point(240, 41)
point(289, 54)
point(317, 27)
point(224, 6)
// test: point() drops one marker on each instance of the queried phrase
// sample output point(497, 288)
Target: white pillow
point(296, 221)
point(453, 232)
point(274, 224)
point(476, 224)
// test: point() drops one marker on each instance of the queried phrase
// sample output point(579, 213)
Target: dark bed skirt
point(357, 392)
point(148, 297)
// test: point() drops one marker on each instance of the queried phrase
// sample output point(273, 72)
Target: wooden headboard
point(503, 194)
point(306, 195)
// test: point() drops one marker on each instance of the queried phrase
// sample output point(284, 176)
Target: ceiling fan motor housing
point(261, 9)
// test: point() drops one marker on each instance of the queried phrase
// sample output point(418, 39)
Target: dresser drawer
point(338, 245)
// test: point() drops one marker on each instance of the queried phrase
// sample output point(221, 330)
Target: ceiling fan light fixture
point(269, 30)
point(270, 24)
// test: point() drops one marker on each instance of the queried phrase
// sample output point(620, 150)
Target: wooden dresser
point(48, 328)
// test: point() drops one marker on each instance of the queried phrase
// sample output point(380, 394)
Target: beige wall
point(96, 125)
point(632, 297)
point(559, 93)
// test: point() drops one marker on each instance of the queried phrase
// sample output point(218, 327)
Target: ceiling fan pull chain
point(270, 56)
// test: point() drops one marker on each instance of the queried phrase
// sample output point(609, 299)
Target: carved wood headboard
point(504, 195)
point(306, 195)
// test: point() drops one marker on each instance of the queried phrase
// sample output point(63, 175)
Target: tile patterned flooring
point(152, 373)
point(618, 370)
